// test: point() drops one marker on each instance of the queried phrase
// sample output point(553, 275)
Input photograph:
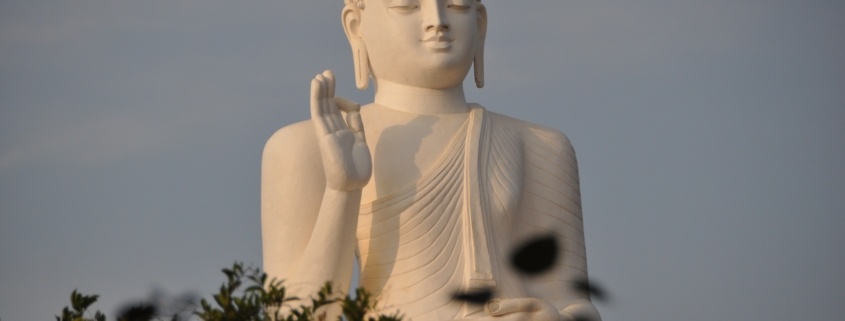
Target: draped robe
point(499, 182)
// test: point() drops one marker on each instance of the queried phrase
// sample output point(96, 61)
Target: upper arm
point(552, 204)
point(292, 186)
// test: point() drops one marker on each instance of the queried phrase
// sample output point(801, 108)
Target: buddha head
point(419, 43)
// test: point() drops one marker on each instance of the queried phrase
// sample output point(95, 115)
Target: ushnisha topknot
point(360, 3)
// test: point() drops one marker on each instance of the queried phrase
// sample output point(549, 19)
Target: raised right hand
point(346, 156)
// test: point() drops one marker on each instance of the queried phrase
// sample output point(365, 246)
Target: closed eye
point(407, 8)
point(458, 7)
point(404, 6)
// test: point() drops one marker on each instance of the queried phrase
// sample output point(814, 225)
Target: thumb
point(500, 307)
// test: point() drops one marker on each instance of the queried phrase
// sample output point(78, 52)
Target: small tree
point(261, 300)
point(80, 303)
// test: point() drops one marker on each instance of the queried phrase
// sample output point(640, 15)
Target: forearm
point(330, 251)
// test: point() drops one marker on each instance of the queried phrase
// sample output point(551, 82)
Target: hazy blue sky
point(710, 137)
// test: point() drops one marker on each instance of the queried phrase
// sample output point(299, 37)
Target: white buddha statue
point(430, 192)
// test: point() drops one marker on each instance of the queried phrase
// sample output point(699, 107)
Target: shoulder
point(295, 138)
point(534, 135)
point(293, 147)
point(297, 135)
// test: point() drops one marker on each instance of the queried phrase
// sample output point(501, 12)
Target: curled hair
point(360, 3)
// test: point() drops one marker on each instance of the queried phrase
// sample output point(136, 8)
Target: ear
point(351, 19)
point(478, 60)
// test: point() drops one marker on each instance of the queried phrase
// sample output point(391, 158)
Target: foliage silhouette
point(267, 300)
point(141, 312)
point(80, 303)
point(260, 300)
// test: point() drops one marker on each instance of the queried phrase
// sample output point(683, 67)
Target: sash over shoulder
point(453, 229)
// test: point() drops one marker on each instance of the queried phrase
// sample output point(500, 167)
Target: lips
point(440, 42)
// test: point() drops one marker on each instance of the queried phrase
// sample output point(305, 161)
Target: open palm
point(346, 156)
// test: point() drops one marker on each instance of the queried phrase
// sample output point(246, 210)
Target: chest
point(404, 147)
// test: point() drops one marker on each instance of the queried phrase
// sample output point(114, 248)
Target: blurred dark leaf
point(536, 256)
point(138, 312)
point(595, 291)
point(480, 296)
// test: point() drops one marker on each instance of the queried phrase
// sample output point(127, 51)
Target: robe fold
point(500, 181)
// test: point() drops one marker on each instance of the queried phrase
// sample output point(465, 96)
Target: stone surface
point(430, 192)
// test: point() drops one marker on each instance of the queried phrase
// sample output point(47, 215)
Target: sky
point(710, 137)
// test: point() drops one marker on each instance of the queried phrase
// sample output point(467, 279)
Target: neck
point(421, 100)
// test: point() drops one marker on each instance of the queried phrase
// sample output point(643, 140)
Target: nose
point(434, 18)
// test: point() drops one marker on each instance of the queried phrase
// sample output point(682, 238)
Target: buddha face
point(420, 43)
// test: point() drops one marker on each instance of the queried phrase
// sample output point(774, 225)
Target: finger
point(353, 120)
point(316, 109)
point(325, 107)
point(337, 117)
point(346, 105)
point(332, 115)
point(330, 80)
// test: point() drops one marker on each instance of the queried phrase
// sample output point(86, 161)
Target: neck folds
point(421, 100)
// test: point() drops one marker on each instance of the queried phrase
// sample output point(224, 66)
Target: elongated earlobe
point(362, 66)
point(351, 17)
point(478, 67)
point(478, 60)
